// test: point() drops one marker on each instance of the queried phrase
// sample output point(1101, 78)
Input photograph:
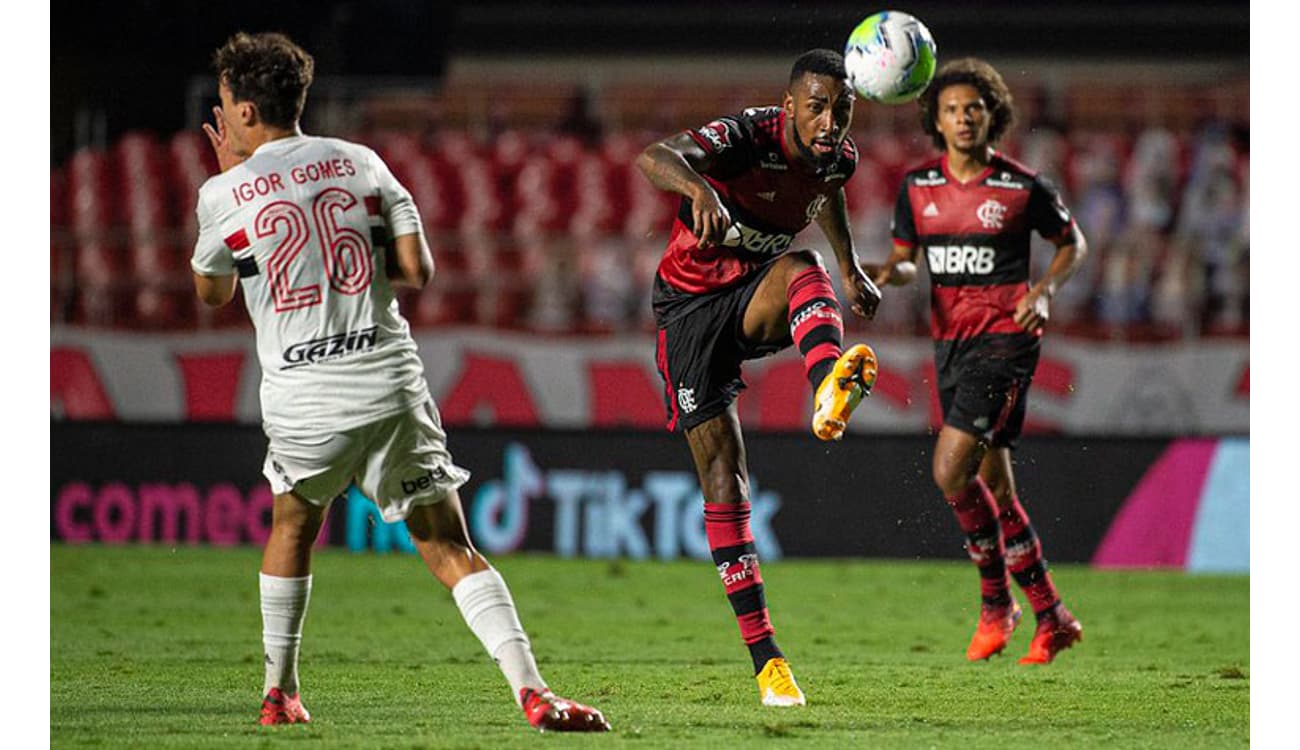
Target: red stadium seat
point(159, 278)
point(461, 263)
point(99, 278)
point(163, 285)
point(594, 213)
point(58, 197)
point(416, 172)
point(60, 246)
point(537, 202)
point(618, 156)
point(483, 208)
point(451, 195)
point(650, 210)
point(91, 206)
point(869, 189)
point(437, 307)
point(522, 218)
point(192, 163)
point(61, 280)
point(518, 267)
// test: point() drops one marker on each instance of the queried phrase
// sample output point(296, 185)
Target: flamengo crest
point(815, 207)
point(686, 399)
point(991, 213)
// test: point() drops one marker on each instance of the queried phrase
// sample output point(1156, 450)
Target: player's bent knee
point(290, 513)
point(439, 521)
point(951, 476)
point(801, 260)
point(1000, 489)
point(807, 256)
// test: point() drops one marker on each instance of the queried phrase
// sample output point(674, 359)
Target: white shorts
point(399, 462)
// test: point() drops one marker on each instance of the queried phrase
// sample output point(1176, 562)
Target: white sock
point(284, 607)
point(485, 603)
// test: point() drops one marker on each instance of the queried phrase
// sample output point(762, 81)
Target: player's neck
point(966, 165)
point(267, 133)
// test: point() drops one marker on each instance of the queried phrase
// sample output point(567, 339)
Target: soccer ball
point(890, 57)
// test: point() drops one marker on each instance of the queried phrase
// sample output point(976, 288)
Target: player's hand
point(219, 137)
point(1032, 311)
point(864, 295)
point(711, 218)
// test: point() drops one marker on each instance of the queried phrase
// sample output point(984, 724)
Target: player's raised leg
point(719, 454)
point(442, 539)
point(285, 585)
point(1057, 629)
point(957, 456)
point(797, 295)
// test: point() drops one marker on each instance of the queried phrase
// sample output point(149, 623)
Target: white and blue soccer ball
point(890, 57)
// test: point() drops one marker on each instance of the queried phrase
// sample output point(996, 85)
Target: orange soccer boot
point(993, 631)
point(1056, 632)
point(848, 382)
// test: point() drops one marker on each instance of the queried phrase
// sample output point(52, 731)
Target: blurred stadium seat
point(536, 228)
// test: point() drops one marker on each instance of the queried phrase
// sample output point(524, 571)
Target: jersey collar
point(279, 143)
point(977, 179)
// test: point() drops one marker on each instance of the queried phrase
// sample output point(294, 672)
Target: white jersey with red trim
point(306, 222)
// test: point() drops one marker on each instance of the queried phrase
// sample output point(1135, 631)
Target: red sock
point(976, 514)
point(727, 527)
point(1024, 553)
point(816, 324)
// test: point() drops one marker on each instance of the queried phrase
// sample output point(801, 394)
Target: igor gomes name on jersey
point(305, 222)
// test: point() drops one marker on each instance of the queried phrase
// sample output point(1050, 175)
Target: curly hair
point(822, 62)
point(986, 79)
point(269, 70)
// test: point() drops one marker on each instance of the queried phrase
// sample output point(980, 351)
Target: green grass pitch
point(161, 647)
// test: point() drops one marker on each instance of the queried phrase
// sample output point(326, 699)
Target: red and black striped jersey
point(974, 239)
point(771, 195)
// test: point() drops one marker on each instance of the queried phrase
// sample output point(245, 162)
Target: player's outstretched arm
point(863, 295)
point(215, 291)
point(675, 165)
point(409, 261)
point(897, 270)
point(1033, 309)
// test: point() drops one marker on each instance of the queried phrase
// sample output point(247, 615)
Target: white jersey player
point(317, 231)
point(305, 224)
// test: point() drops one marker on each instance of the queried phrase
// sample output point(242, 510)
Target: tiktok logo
point(600, 513)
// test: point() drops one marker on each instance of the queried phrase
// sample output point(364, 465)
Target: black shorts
point(700, 346)
point(984, 384)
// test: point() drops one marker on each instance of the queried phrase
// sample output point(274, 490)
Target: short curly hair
point(821, 62)
point(986, 79)
point(269, 70)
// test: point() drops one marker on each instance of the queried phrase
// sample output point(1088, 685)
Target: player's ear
point(247, 113)
point(788, 103)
